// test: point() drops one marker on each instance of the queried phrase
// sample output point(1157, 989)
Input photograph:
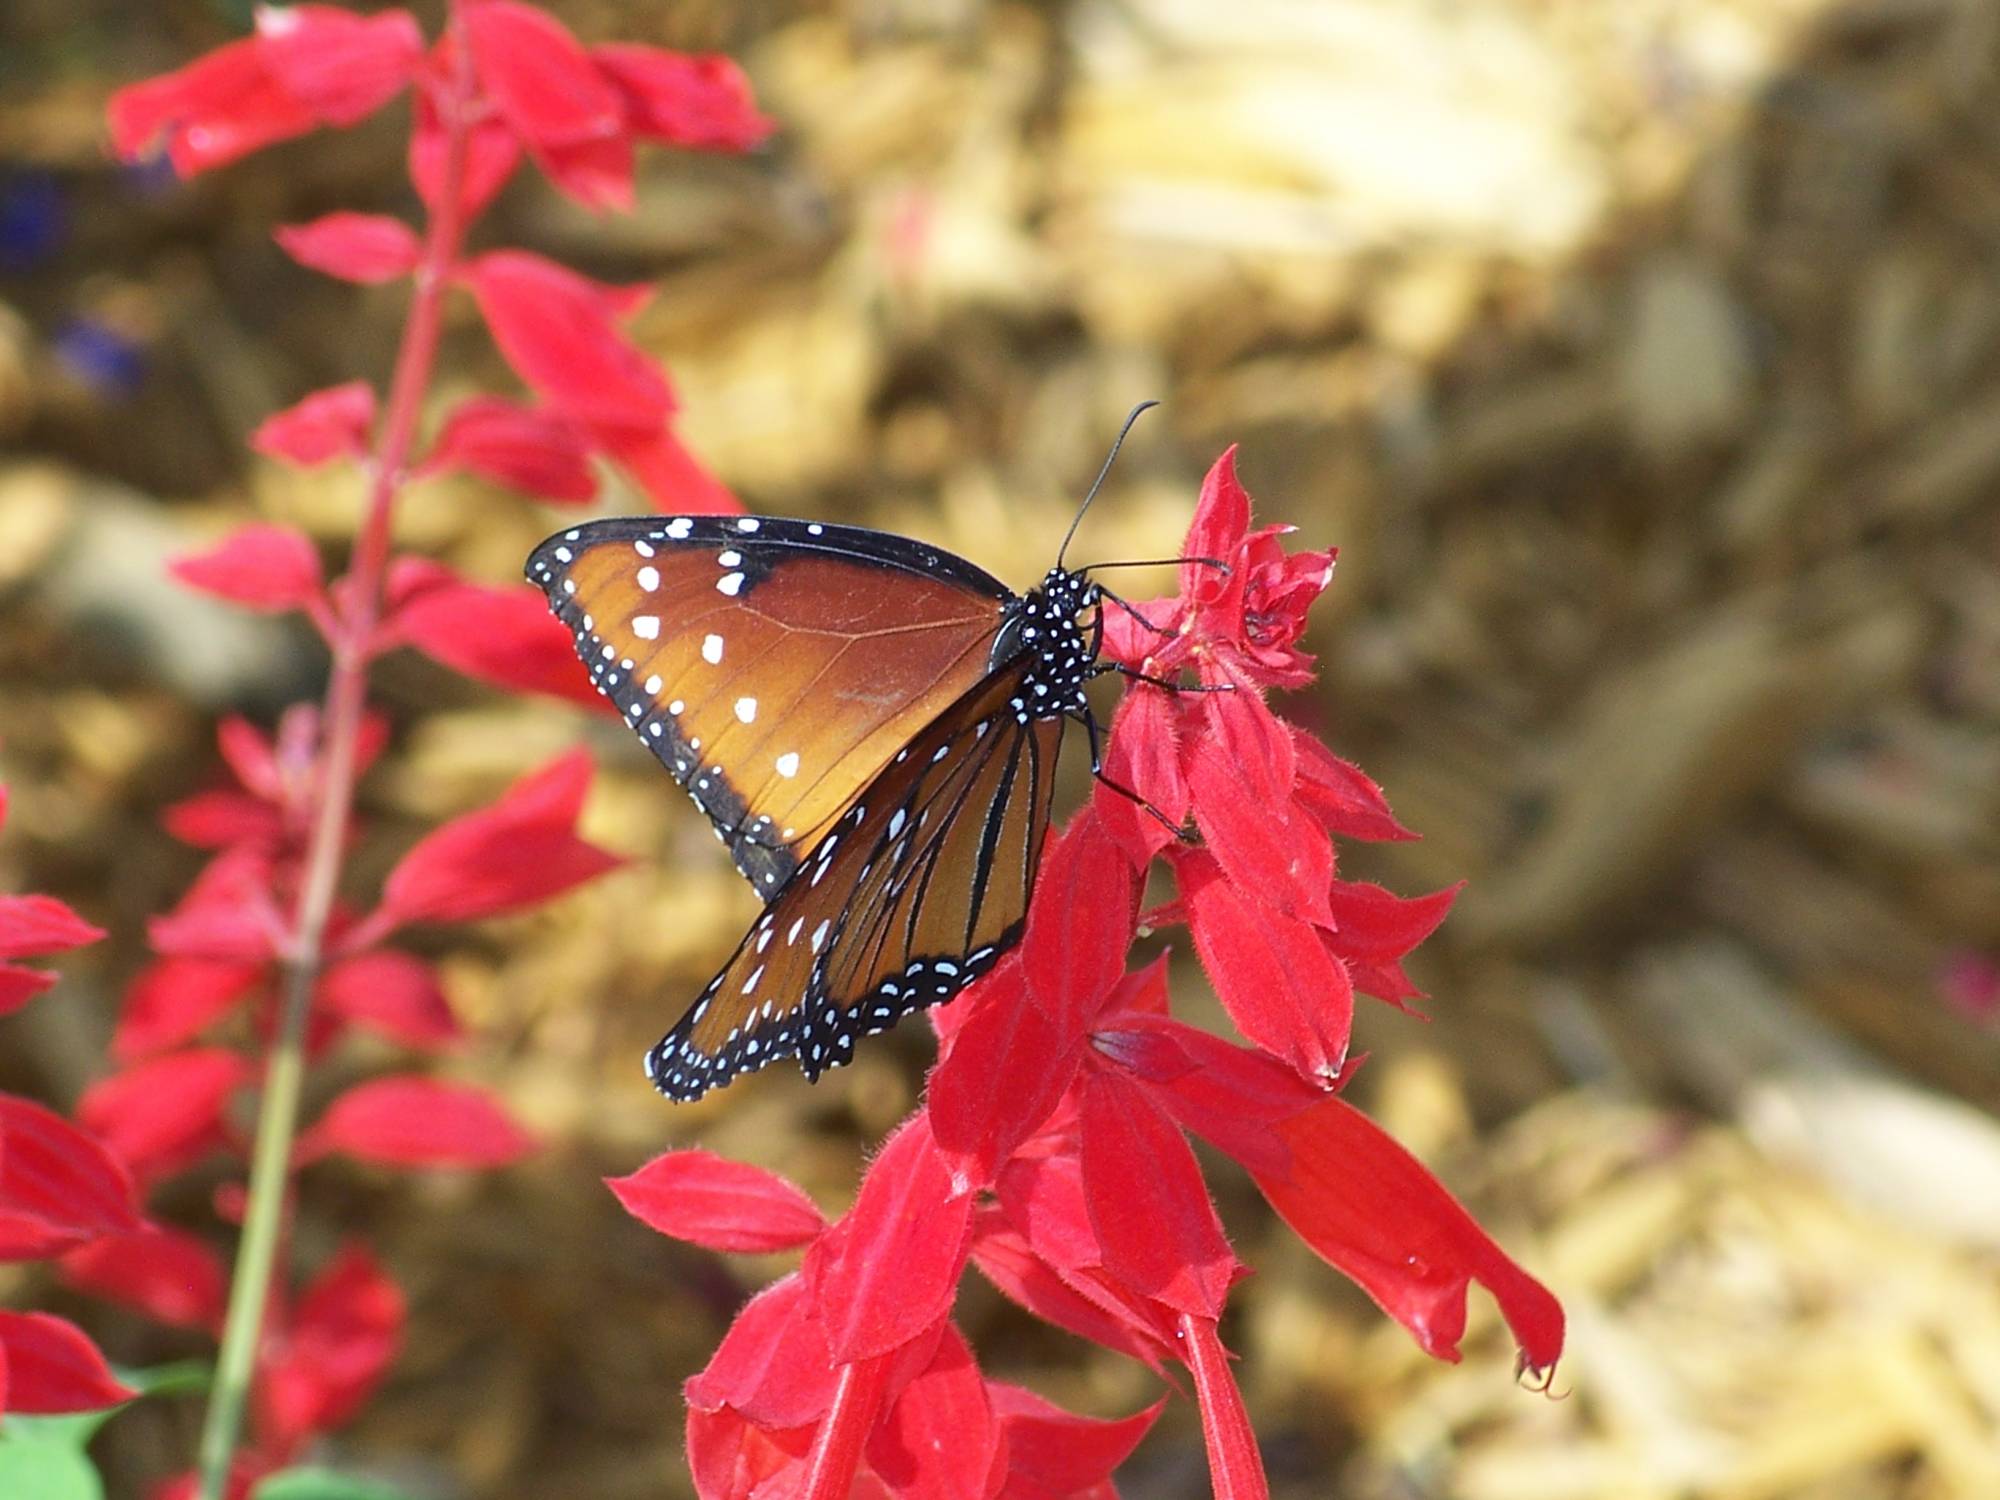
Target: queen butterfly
point(870, 723)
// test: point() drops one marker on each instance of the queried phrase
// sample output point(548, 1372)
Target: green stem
point(346, 697)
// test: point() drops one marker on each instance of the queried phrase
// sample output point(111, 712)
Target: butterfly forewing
point(774, 667)
point(916, 891)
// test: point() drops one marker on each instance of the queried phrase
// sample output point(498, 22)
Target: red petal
point(684, 99)
point(159, 1115)
point(329, 424)
point(58, 1187)
point(1372, 925)
point(1371, 1209)
point(888, 1270)
point(171, 1000)
point(257, 566)
point(219, 107)
point(725, 1205)
point(729, 1459)
point(1024, 1278)
point(596, 173)
point(365, 248)
point(1340, 795)
point(505, 636)
point(519, 852)
point(167, 1274)
point(250, 756)
point(218, 819)
point(34, 925)
point(1231, 1097)
point(396, 994)
point(492, 151)
point(1143, 757)
point(1006, 1068)
point(1235, 1468)
point(228, 912)
point(1267, 847)
point(538, 75)
point(519, 446)
point(672, 477)
point(340, 1342)
point(1080, 924)
point(1254, 740)
point(342, 66)
point(1221, 521)
point(417, 1122)
point(939, 1441)
point(556, 331)
point(1052, 1453)
point(772, 1365)
point(1271, 972)
point(1148, 1204)
point(18, 986)
point(51, 1367)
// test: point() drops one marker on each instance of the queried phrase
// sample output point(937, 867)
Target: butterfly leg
point(1090, 725)
point(1106, 593)
point(1160, 682)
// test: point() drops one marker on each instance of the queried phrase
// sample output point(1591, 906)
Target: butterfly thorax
point(1042, 626)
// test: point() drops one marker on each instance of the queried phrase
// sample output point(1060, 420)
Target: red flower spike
point(216, 109)
point(365, 248)
point(1053, 1454)
point(58, 1187)
point(941, 1439)
point(1235, 1467)
point(1080, 923)
point(260, 566)
point(166, 1274)
point(505, 636)
point(682, 99)
point(519, 852)
point(334, 1351)
point(536, 452)
point(415, 1121)
point(708, 1200)
point(1281, 987)
point(34, 925)
point(329, 424)
point(772, 1367)
point(555, 329)
point(395, 994)
point(1264, 844)
point(889, 1270)
point(1006, 1067)
point(172, 1000)
point(163, 1114)
point(342, 66)
point(49, 1367)
point(1148, 1204)
point(1372, 1210)
point(18, 986)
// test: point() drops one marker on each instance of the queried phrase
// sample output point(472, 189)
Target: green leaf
point(321, 1484)
point(183, 1377)
point(39, 1464)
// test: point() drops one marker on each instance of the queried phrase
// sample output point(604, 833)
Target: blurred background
point(1642, 357)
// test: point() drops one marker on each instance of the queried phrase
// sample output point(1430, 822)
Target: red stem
point(1235, 1467)
point(836, 1450)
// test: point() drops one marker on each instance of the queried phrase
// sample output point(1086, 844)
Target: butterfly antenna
point(1109, 459)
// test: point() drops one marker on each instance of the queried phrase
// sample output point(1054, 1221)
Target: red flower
point(259, 566)
point(417, 1122)
point(329, 1354)
point(31, 926)
point(366, 248)
point(49, 1366)
point(308, 65)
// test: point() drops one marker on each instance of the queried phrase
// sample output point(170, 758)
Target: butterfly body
point(871, 725)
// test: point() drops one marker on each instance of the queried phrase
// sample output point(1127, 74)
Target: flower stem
point(836, 1450)
point(346, 697)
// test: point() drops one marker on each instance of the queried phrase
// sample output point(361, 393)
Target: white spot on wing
point(746, 710)
point(679, 527)
point(748, 523)
point(649, 576)
point(646, 627)
point(642, 549)
point(653, 683)
point(711, 649)
point(729, 557)
point(788, 764)
point(729, 583)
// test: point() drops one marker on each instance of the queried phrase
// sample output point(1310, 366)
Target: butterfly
point(870, 723)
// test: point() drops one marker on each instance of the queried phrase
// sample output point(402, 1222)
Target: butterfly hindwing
point(773, 666)
point(917, 891)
